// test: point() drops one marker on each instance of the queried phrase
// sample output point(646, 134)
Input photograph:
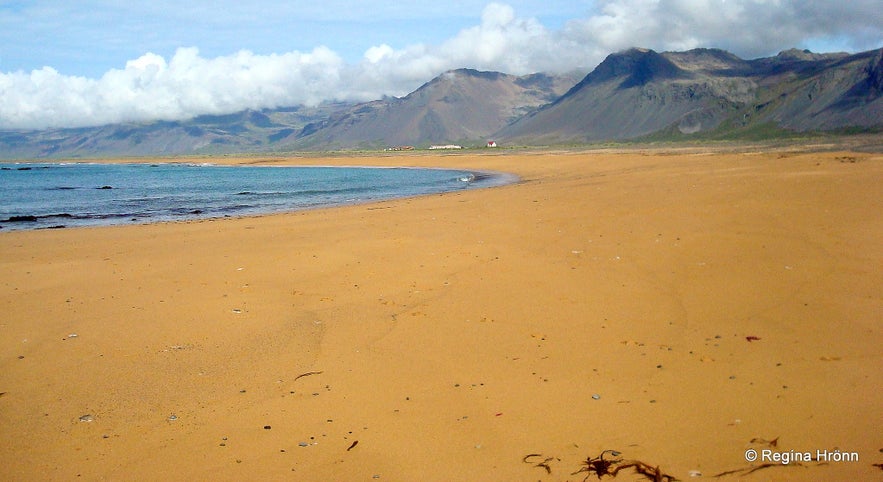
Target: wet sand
point(679, 308)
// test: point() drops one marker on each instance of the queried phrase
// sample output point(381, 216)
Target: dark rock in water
point(196, 211)
point(22, 219)
point(24, 168)
point(105, 187)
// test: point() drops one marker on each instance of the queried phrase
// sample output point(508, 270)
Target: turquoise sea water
point(47, 195)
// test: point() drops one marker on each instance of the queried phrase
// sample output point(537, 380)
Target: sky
point(78, 63)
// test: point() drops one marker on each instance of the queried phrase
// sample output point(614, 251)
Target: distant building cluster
point(435, 147)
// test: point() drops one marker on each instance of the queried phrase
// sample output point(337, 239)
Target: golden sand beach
point(680, 308)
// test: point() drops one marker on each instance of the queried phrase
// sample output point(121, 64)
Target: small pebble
point(87, 418)
point(267, 427)
point(596, 396)
point(695, 473)
point(304, 444)
point(173, 417)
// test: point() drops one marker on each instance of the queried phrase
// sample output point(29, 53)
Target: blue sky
point(91, 62)
point(88, 37)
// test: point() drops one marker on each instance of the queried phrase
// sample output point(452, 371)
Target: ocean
point(55, 195)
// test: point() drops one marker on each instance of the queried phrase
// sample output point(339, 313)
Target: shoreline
point(679, 309)
point(26, 220)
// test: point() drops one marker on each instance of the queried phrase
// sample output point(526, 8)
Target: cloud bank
point(185, 85)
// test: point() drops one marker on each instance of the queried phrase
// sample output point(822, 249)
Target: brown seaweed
point(306, 375)
point(601, 466)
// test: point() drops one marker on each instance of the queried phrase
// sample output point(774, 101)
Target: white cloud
point(749, 28)
point(150, 88)
point(187, 84)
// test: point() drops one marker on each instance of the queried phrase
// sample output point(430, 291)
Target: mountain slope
point(209, 134)
point(640, 92)
point(459, 105)
point(826, 94)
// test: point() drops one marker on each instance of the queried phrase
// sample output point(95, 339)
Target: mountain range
point(637, 94)
point(712, 93)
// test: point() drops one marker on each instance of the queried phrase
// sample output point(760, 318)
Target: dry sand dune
point(679, 308)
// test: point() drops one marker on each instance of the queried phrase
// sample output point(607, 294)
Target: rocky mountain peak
point(638, 66)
